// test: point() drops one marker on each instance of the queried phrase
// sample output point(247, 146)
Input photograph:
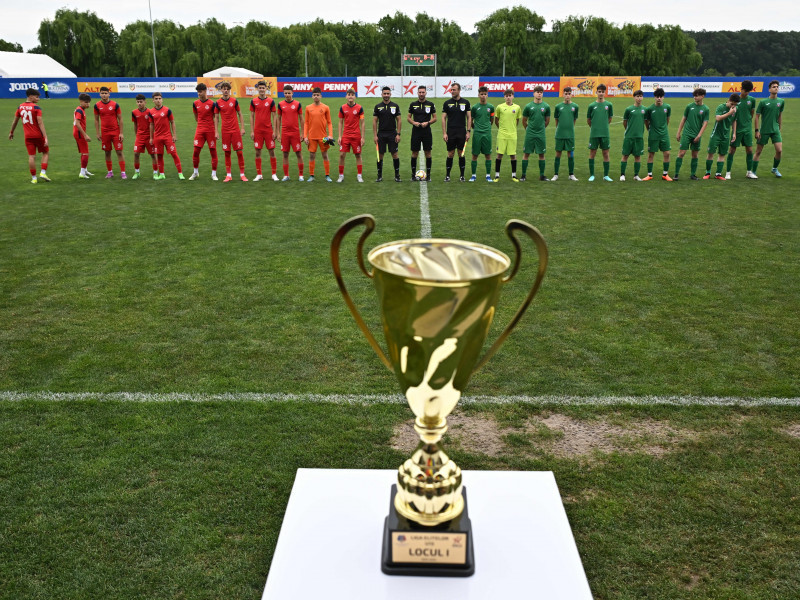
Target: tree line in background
point(90, 46)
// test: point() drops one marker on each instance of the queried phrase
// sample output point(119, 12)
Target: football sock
point(396, 162)
point(240, 156)
point(749, 159)
point(462, 164)
point(413, 166)
point(666, 168)
point(637, 166)
point(720, 164)
point(473, 165)
point(136, 164)
point(513, 167)
point(196, 171)
point(591, 167)
point(273, 163)
point(708, 165)
point(285, 169)
point(694, 165)
point(678, 165)
point(524, 167)
point(300, 166)
point(214, 159)
point(729, 162)
point(649, 168)
point(556, 164)
point(448, 165)
point(33, 172)
point(428, 163)
point(196, 158)
point(327, 165)
point(258, 166)
point(541, 167)
point(755, 166)
point(122, 166)
point(176, 159)
point(380, 168)
point(775, 163)
point(497, 166)
point(160, 163)
point(489, 167)
point(571, 164)
point(623, 166)
point(606, 168)
point(341, 169)
point(84, 161)
point(109, 166)
point(227, 162)
point(311, 165)
point(358, 169)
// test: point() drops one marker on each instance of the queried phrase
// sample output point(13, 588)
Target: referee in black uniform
point(386, 127)
point(456, 123)
point(421, 115)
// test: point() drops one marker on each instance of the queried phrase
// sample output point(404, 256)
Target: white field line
point(424, 211)
point(367, 399)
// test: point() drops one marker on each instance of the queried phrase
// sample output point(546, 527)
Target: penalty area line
point(367, 399)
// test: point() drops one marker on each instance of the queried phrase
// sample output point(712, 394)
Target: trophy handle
point(513, 226)
point(368, 221)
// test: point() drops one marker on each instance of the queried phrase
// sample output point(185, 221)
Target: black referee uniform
point(456, 111)
point(387, 131)
point(421, 112)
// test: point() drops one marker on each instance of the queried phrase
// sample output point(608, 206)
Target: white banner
point(165, 87)
point(406, 87)
point(370, 87)
point(681, 87)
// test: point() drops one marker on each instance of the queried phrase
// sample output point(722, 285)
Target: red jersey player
point(79, 133)
point(351, 116)
point(108, 124)
point(141, 127)
point(163, 135)
point(317, 132)
point(35, 135)
point(262, 109)
point(206, 131)
point(231, 129)
point(290, 120)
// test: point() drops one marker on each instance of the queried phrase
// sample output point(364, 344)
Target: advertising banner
point(789, 87)
point(93, 87)
point(370, 87)
point(330, 86)
point(498, 85)
point(685, 87)
point(406, 87)
point(615, 86)
point(241, 87)
point(164, 86)
point(469, 86)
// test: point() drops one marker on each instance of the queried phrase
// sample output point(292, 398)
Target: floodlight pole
point(504, 61)
point(153, 38)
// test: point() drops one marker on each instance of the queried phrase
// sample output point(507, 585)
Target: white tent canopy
point(232, 72)
point(20, 65)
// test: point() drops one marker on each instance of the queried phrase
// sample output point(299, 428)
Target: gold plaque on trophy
point(437, 299)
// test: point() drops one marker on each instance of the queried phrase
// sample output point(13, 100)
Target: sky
point(21, 20)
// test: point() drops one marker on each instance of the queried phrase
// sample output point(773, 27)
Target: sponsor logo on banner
point(158, 86)
point(735, 87)
point(325, 86)
point(519, 85)
point(615, 86)
point(93, 87)
point(13, 87)
point(785, 87)
point(683, 87)
point(241, 87)
point(370, 87)
point(58, 87)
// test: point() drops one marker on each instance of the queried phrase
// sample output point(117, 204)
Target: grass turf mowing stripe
point(424, 211)
point(364, 399)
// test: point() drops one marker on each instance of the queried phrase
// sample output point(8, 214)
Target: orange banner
point(241, 87)
point(615, 86)
point(735, 87)
point(93, 87)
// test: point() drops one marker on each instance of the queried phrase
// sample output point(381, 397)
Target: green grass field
point(655, 290)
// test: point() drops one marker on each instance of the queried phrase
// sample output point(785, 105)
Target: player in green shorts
point(565, 115)
point(721, 135)
point(771, 112)
point(657, 123)
point(633, 142)
point(695, 118)
point(535, 117)
point(482, 118)
point(506, 117)
point(744, 130)
point(598, 117)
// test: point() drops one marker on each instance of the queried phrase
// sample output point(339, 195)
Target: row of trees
point(513, 37)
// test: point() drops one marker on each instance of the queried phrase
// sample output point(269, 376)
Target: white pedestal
point(330, 542)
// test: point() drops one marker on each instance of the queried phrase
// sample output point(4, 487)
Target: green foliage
point(9, 47)
point(81, 41)
point(748, 52)
point(518, 30)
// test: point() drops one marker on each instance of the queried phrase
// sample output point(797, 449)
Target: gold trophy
point(437, 299)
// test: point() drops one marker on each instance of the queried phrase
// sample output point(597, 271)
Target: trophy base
point(445, 550)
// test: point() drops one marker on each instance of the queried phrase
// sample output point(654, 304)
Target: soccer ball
point(422, 175)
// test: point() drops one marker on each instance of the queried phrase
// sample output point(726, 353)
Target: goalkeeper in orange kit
point(318, 132)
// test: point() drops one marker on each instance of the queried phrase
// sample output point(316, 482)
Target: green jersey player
point(598, 117)
point(721, 135)
point(770, 110)
point(482, 118)
point(633, 143)
point(565, 115)
point(506, 117)
point(744, 130)
point(535, 117)
point(657, 123)
point(695, 118)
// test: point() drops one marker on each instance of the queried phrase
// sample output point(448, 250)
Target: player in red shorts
point(79, 133)
point(35, 135)
point(351, 136)
point(206, 131)
point(163, 135)
point(262, 109)
point(108, 124)
point(290, 120)
point(231, 129)
point(141, 127)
